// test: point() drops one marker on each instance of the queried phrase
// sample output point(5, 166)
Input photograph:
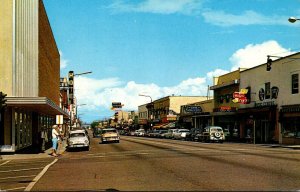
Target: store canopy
point(159, 126)
point(41, 105)
point(164, 126)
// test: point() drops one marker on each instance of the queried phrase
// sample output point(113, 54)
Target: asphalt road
point(145, 164)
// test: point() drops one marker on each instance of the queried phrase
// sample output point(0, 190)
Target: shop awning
point(159, 126)
point(41, 105)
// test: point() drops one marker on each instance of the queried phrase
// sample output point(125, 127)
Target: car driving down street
point(109, 135)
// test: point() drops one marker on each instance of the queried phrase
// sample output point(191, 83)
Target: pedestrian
point(54, 140)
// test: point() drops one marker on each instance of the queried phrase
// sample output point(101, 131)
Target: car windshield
point(77, 135)
point(109, 131)
point(184, 131)
point(216, 129)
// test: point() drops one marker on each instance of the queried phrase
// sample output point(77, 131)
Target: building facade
point(29, 75)
point(197, 115)
point(273, 115)
point(225, 108)
point(167, 109)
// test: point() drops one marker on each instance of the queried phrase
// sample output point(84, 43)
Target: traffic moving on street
point(149, 95)
point(154, 164)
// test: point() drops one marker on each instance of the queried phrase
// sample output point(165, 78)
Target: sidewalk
point(45, 154)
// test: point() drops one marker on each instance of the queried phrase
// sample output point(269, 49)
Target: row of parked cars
point(208, 134)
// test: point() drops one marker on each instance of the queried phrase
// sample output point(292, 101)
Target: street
point(145, 164)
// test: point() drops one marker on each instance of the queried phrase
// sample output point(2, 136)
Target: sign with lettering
point(116, 105)
point(192, 109)
point(242, 96)
point(263, 92)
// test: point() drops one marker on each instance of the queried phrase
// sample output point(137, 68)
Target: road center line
point(12, 189)
point(21, 170)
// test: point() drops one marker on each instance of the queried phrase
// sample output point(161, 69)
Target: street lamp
point(146, 96)
point(84, 73)
point(151, 107)
point(293, 19)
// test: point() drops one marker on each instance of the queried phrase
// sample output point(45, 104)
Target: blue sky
point(164, 47)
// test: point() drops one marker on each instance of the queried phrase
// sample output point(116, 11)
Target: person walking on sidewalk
point(55, 136)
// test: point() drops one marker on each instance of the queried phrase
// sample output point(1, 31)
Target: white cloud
point(249, 17)
point(256, 54)
point(158, 6)
point(63, 62)
point(101, 93)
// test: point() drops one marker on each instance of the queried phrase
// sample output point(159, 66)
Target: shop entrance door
point(262, 131)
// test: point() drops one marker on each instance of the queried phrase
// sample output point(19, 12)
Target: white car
point(212, 134)
point(78, 139)
point(139, 132)
point(181, 134)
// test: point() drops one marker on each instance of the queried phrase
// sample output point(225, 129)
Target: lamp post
point(146, 96)
point(71, 91)
point(151, 107)
point(293, 19)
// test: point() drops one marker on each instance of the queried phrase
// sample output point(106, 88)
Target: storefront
point(27, 123)
point(290, 124)
point(226, 117)
point(258, 124)
point(202, 120)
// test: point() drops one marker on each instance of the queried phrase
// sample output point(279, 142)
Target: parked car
point(139, 132)
point(181, 134)
point(78, 139)
point(79, 129)
point(154, 133)
point(109, 135)
point(194, 134)
point(170, 133)
point(162, 133)
point(212, 134)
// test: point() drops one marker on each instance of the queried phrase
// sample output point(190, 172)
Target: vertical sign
point(71, 86)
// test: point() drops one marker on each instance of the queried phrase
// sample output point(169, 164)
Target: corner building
point(29, 75)
point(273, 115)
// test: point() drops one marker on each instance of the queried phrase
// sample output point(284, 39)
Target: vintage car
point(109, 135)
point(182, 134)
point(212, 134)
point(78, 139)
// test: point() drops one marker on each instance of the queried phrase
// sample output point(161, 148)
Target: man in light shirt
point(55, 136)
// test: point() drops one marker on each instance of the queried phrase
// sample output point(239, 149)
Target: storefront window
point(291, 127)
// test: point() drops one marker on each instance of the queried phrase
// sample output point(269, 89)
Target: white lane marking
point(17, 177)
point(36, 179)
point(4, 163)
point(12, 189)
point(16, 170)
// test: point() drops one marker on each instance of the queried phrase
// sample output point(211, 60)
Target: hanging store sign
point(242, 97)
